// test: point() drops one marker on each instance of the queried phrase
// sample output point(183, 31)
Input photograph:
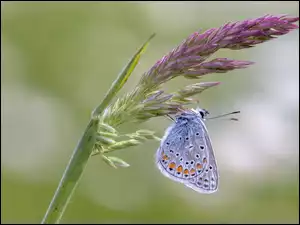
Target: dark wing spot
point(197, 156)
point(171, 151)
point(177, 154)
point(202, 147)
point(210, 167)
point(191, 146)
point(197, 133)
point(187, 138)
point(168, 143)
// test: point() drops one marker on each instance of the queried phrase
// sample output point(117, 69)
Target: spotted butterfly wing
point(172, 155)
point(208, 180)
point(185, 154)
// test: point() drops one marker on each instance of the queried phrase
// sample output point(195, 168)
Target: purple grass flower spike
point(192, 60)
point(188, 58)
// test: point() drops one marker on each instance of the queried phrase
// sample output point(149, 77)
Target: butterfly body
point(186, 155)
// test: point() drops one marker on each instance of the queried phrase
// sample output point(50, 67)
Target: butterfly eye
point(202, 114)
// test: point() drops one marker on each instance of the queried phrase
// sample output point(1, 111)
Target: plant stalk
point(83, 150)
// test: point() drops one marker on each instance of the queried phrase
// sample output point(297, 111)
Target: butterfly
point(186, 154)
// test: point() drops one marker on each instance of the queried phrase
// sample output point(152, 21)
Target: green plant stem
point(83, 150)
point(71, 175)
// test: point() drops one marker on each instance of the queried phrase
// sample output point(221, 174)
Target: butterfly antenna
point(235, 119)
point(170, 117)
point(231, 119)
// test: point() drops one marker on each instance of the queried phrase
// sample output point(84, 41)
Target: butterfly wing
point(185, 155)
point(207, 180)
point(170, 154)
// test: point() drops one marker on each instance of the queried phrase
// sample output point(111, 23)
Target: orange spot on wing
point(186, 171)
point(199, 166)
point(179, 169)
point(172, 165)
point(165, 157)
point(192, 171)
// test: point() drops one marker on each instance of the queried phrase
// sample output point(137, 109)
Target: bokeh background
point(58, 60)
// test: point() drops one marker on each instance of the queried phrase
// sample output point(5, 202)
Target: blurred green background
point(58, 60)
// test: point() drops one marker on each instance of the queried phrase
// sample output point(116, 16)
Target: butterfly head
point(192, 114)
point(201, 112)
